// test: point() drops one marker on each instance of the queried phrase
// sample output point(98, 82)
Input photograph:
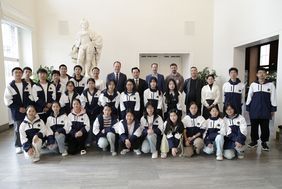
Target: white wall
point(240, 22)
point(128, 27)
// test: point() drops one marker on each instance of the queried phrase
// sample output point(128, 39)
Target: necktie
point(117, 77)
point(137, 82)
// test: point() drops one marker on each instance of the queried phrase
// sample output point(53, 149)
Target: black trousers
point(75, 145)
point(135, 144)
point(17, 133)
point(264, 127)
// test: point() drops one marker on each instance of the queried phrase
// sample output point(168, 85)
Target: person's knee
point(111, 136)
point(199, 143)
point(145, 147)
point(229, 154)
point(219, 138)
point(102, 142)
point(208, 150)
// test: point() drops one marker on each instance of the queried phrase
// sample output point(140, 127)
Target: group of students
point(68, 114)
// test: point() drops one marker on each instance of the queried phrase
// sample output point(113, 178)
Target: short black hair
point(77, 66)
point(27, 68)
point(210, 75)
point(231, 106)
point(90, 79)
point(95, 68)
point(135, 68)
point(117, 62)
point(154, 64)
point(173, 64)
point(42, 70)
point(16, 68)
point(261, 69)
point(193, 67)
point(55, 72)
point(233, 69)
point(63, 65)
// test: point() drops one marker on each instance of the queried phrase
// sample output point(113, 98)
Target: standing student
point(160, 78)
point(90, 102)
point(214, 137)
point(129, 100)
point(27, 73)
point(120, 78)
point(176, 76)
point(195, 127)
point(193, 89)
point(56, 125)
point(32, 132)
point(111, 97)
point(78, 127)
point(130, 133)
point(64, 77)
point(172, 98)
point(79, 80)
point(233, 91)
point(154, 95)
point(99, 83)
point(17, 97)
point(210, 96)
point(44, 94)
point(67, 97)
point(236, 133)
point(104, 129)
point(153, 129)
point(173, 131)
point(261, 105)
point(56, 82)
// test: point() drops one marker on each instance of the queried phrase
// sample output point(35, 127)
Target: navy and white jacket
point(194, 124)
point(215, 126)
point(112, 100)
point(154, 96)
point(79, 84)
point(60, 89)
point(172, 102)
point(66, 101)
point(129, 101)
point(77, 122)
point(56, 124)
point(28, 129)
point(157, 124)
point(232, 93)
point(173, 134)
point(98, 126)
point(236, 131)
point(91, 103)
point(125, 134)
point(13, 100)
point(261, 100)
point(39, 96)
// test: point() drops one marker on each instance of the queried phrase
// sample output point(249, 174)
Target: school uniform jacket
point(154, 96)
point(60, 89)
point(236, 128)
point(124, 134)
point(214, 126)
point(173, 102)
point(194, 124)
point(55, 124)
point(173, 135)
point(92, 106)
point(39, 96)
point(232, 93)
point(129, 101)
point(79, 84)
point(98, 126)
point(66, 102)
point(13, 99)
point(261, 100)
point(157, 125)
point(28, 129)
point(77, 122)
point(112, 100)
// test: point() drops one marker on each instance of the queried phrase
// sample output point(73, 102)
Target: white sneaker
point(155, 155)
point(240, 156)
point(137, 152)
point(19, 150)
point(163, 155)
point(114, 154)
point(65, 154)
point(124, 151)
point(219, 158)
point(34, 160)
point(83, 152)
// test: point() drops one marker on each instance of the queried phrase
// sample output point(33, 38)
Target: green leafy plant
point(272, 76)
point(205, 72)
point(49, 73)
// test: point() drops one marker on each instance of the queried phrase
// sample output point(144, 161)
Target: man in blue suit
point(160, 77)
point(119, 77)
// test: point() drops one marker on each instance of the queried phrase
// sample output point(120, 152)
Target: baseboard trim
point(4, 127)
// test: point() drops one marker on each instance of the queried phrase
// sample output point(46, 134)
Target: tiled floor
point(99, 170)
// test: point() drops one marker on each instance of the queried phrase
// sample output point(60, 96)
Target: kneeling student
point(236, 133)
point(130, 133)
point(32, 132)
point(56, 133)
point(103, 128)
point(214, 138)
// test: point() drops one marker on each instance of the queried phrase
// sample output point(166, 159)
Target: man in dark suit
point(119, 77)
point(160, 77)
point(141, 86)
point(193, 88)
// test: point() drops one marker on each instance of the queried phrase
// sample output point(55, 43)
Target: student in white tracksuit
point(32, 132)
point(214, 136)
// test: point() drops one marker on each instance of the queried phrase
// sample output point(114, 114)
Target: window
point(264, 55)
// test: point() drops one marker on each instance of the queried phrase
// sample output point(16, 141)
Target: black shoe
point(253, 145)
point(264, 146)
